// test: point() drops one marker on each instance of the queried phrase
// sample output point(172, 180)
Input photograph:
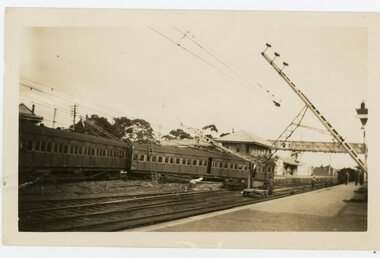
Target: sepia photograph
point(180, 122)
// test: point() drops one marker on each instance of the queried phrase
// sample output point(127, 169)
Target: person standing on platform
point(357, 177)
point(346, 177)
point(313, 181)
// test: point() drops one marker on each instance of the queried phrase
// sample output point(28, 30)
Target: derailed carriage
point(207, 163)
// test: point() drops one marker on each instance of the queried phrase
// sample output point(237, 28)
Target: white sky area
point(134, 72)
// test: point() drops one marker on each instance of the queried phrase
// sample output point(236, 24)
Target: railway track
point(117, 213)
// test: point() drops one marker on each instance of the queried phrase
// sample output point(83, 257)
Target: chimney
point(33, 108)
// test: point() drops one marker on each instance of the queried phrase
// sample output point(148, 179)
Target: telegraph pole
point(362, 114)
point(54, 116)
point(74, 114)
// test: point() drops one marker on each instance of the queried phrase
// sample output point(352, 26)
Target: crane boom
point(316, 112)
point(216, 144)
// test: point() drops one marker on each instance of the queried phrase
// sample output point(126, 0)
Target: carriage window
point(60, 148)
point(153, 158)
point(88, 151)
point(48, 147)
point(194, 162)
point(56, 147)
point(142, 157)
point(172, 160)
point(269, 169)
point(37, 146)
point(245, 167)
point(72, 149)
point(166, 159)
point(178, 161)
point(231, 165)
point(159, 159)
point(221, 164)
point(226, 165)
point(189, 162)
point(65, 148)
point(240, 166)
point(183, 161)
point(235, 166)
point(92, 151)
point(30, 145)
point(134, 156)
point(43, 145)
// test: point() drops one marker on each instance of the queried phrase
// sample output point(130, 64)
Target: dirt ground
point(117, 187)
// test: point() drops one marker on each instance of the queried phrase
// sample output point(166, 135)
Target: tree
point(224, 134)
point(212, 128)
point(134, 130)
point(123, 128)
point(86, 128)
point(177, 134)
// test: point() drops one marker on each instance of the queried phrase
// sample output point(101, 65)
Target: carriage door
point(209, 164)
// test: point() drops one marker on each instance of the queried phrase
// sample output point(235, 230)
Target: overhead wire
point(225, 63)
point(68, 101)
point(80, 100)
point(200, 58)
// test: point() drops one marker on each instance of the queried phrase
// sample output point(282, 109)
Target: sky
point(136, 72)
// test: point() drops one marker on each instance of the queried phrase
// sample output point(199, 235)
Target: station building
point(246, 143)
point(250, 144)
point(286, 166)
point(27, 115)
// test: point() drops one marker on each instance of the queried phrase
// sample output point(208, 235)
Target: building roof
point(27, 114)
point(243, 136)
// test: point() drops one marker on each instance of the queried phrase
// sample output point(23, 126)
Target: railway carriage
point(56, 153)
point(194, 162)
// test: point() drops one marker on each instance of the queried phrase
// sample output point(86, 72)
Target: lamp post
point(362, 114)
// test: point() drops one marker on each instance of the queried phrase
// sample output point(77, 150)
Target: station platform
point(338, 208)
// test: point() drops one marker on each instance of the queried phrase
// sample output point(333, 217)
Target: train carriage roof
point(46, 131)
point(201, 151)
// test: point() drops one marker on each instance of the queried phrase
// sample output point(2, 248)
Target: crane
point(314, 110)
point(253, 163)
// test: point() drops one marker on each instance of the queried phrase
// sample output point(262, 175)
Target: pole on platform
point(362, 114)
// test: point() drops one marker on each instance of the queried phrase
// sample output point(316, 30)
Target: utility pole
point(54, 116)
point(362, 114)
point(74, 114)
